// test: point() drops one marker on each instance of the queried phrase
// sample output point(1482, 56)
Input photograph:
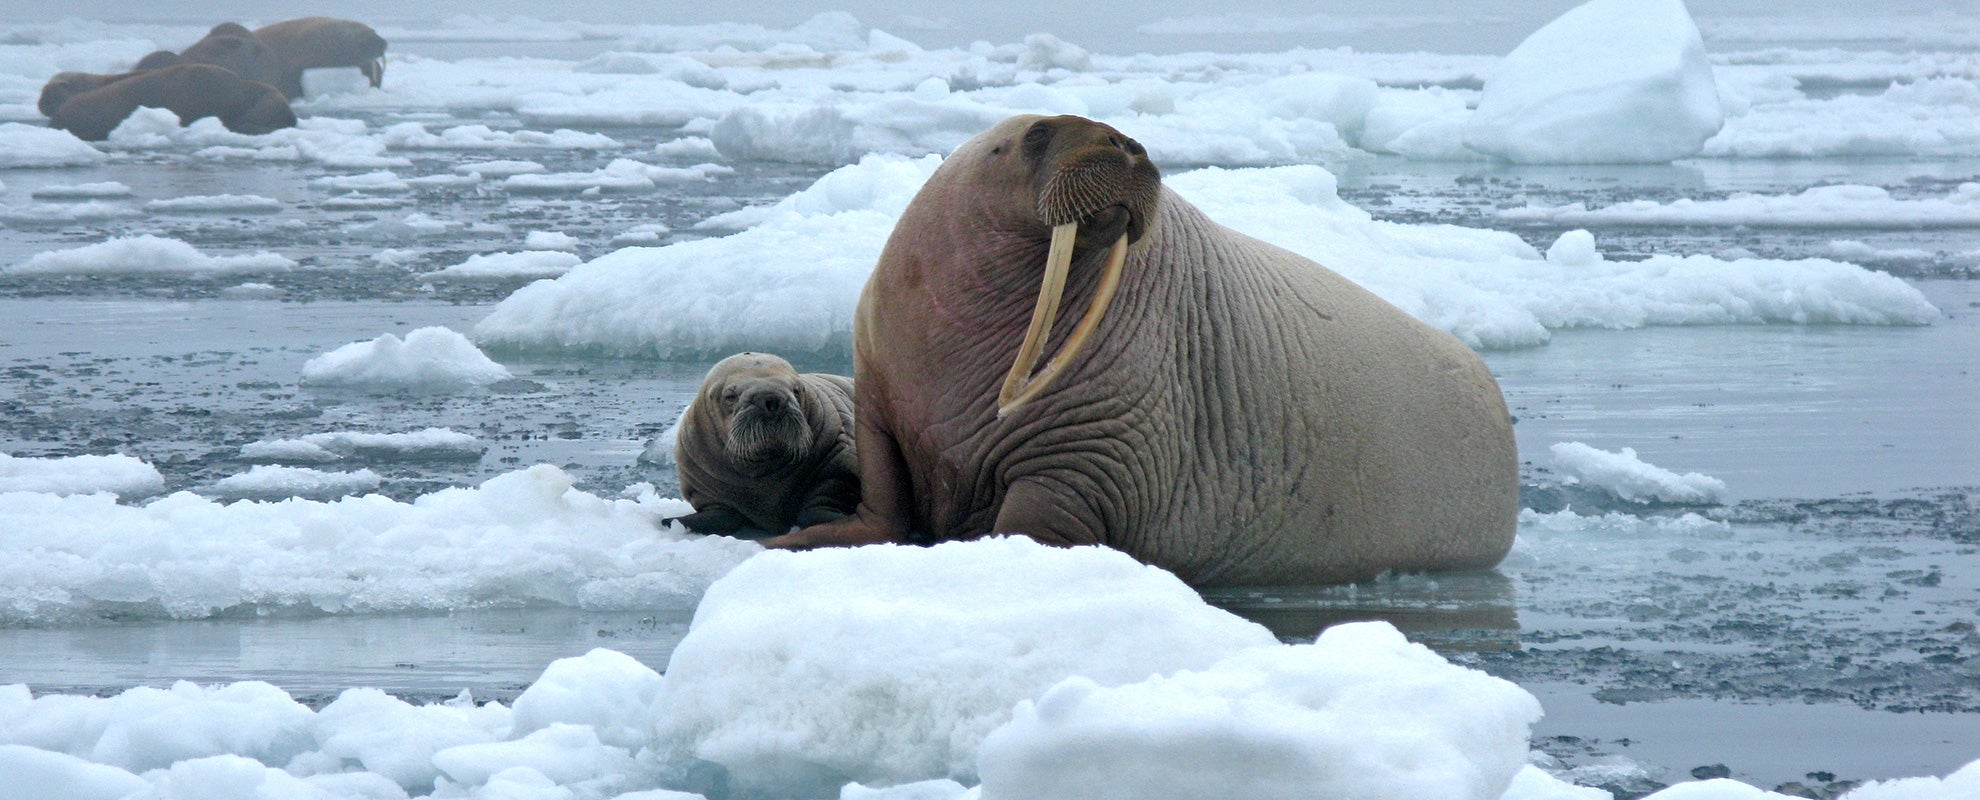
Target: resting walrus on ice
point(762, 448)
point(1224, 409)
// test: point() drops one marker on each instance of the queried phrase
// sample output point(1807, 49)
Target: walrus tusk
point(1017, 390)
point(1051, 289)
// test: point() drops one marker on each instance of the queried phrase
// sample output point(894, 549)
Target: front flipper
point(1050, 512)
point(720, 520)
point(883, 492)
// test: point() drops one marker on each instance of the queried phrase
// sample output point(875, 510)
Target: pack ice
point(1610, 81)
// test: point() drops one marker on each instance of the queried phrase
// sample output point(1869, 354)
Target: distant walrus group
point(245, 78)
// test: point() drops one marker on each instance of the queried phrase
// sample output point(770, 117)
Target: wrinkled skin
point(319, 42)
point(1242, 415)
point(234, 48)
point(763, 448)
point(192, 91)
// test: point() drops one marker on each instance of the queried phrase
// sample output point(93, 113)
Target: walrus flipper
point(721, 520)
point(832, 499)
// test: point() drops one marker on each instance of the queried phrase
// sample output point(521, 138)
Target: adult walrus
point(1243, 415)
point(191, 91)
point(64, 85)
point(318, 42)
point(232, 47)
point(762, 448)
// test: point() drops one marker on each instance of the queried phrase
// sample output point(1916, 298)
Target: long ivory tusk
point(1052, 289)
point(1110, 280)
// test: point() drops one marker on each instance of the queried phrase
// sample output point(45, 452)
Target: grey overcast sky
point(1474, 26)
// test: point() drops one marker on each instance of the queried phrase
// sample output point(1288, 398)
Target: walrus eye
point(1036, 139)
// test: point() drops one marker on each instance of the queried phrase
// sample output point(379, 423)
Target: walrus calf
point(1224, 409)
point(191, 91)
point(762, 448)
point(320, 42)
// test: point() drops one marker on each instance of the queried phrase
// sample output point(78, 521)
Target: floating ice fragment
point(36, 146)
point(266, 482)
point(1610, 81)
point(507, 266)
point(434, 358)
point(117, 474)
point(1630, 478)
point(146, 254)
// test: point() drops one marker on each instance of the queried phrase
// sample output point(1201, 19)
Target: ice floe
point(433, 358)
point(520, 538)
point(800, 672)
point(1842, 206)
point(270, 482)
point(116, 474)
point(507, 266)
point(550, 240)
point(35, 146)
point(890, 664)
point(101, 189)
point(789, 281)
point(622, 175)
point(145, 254)
point(1626, 476)
point(216, 204)
point(1360, 712)
point(420, 445)
point(1610, 81)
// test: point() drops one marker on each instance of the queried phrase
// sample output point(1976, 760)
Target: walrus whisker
point(1051, 290)
point(1110, 281)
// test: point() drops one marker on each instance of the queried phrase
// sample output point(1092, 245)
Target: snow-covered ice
point(531, 263)
point(432, 358)
point(117, 474)
point(803, 668)
point(99, 189)
point(500, 169)
point(270, 482)
point(216, 204)
point(1610, 81)
point(1361, 712)
point(789, 281)
point(521, 538)
point(550, 240)
point(1626, 476)
point(146, 254)
point(889, 664)
point(426, 444)
point(376, 182)
point(35, 146)
point(622, 175)
point(1844, 206)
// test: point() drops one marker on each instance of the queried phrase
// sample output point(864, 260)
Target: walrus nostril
point(767, 402)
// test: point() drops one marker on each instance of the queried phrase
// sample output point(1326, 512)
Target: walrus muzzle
point(1021, 386)
point(768, 435)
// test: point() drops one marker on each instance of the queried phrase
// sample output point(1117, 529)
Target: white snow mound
point(1360, 713)
point(433, 358)
point(1610, 81)
point(117, 474)
point(145, 254)
point(1630, 478)
point(888, 664)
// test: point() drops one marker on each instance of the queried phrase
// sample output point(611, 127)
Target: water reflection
point(1449, 612)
